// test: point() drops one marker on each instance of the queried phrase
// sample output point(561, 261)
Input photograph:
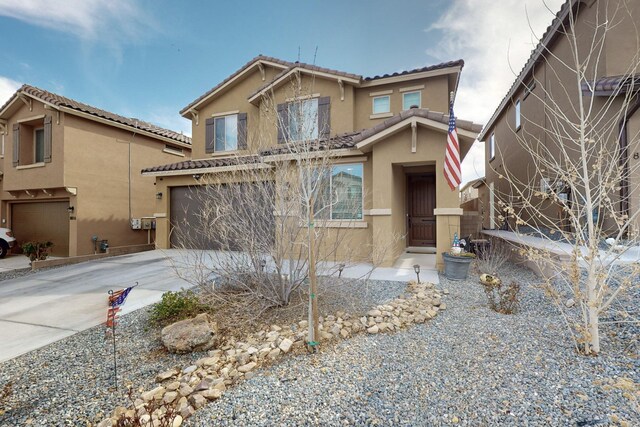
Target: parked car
point(6, 241)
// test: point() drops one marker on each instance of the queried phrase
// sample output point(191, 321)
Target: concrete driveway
point(49, 305)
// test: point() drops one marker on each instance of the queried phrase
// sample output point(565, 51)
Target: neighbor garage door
point(193, 215)
point(42, 221)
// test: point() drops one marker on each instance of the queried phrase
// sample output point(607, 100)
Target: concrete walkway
point(14, 262)
point(46, 306)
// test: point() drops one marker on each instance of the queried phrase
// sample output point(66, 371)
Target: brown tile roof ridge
point(205, 163)
point(449, 64)
point(234, 75)
point(337, 142)
point(62, 101)
point(416, 112)
point(533, 57)
point(305, 66)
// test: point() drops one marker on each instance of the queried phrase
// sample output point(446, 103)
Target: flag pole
point(113, 335)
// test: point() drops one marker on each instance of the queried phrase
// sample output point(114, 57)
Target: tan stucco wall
point(100, 163)
point(232, 98)
point(434, 96)
point(92, 159)
point(51, 174)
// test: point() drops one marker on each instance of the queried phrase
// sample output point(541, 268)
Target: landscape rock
point(285, 345)
point(246, 368)
point(189, 335)
point(163, 376)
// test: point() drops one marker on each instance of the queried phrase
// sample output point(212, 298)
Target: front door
point(421, 195)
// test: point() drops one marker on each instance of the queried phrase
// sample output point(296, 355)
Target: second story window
point(32, 139)
point(38, 139)
point(411, 99)
point(303, 120)
point(226, 131)
point(518, 114)
point(381, 104)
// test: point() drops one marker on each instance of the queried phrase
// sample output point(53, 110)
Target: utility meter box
point(148, 223)
point(136, 224)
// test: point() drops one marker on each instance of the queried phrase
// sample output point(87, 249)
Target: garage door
point(196, 223)
point(41, 222)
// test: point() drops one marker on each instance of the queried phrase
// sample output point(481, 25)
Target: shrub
point(37, 250)
point(176, 306)
point(502, 299)
point(492, 257)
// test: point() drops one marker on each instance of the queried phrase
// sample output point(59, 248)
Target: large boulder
point(185, 336)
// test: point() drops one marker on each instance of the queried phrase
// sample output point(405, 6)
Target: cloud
point(115, 20)
point(169, 119)
point(7, 88)
point(495, 39)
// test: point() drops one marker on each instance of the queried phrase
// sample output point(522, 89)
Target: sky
point(150, 58)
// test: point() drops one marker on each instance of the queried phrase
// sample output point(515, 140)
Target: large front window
point(303, 120)
point(226, 129)
point(340, 193)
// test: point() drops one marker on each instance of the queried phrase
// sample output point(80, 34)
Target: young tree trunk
point(313, 284)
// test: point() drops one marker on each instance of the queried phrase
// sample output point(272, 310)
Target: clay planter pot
point(456, 267)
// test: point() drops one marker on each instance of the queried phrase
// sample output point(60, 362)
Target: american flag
point(452, 171)
point(118, 298)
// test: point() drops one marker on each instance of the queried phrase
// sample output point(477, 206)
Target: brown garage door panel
point(42, 221)
point(188, 221)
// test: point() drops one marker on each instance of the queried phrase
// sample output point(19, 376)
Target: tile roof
point(194, 165)
point(234, 75)
point(309, 67)
point(343, 141)
point(61, 101)
point(292, 65)
point(549, 34)
point(442, 65)
point(612, 84)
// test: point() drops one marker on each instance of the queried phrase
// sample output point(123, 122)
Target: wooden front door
point(421, 193)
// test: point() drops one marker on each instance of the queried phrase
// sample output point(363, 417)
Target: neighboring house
point(384, 132)
point(546, 78)
point(471, 202)
point(71, 171)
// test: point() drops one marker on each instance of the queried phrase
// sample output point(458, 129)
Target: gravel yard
point(469, 366)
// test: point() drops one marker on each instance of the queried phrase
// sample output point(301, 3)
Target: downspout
point(624, 156)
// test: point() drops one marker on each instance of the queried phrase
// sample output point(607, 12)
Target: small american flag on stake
point(452, 172)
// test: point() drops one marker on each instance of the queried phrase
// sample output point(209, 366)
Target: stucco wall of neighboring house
point(104, 164)
point(633, 132)
point(434, 95)
point(555, 86)
point(45, 176)
point(621, 39)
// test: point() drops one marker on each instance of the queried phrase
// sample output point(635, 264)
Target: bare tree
point(578, 188)
point(279, 218)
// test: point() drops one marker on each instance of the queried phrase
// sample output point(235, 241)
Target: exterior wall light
point(159, 195)
point(70, 209)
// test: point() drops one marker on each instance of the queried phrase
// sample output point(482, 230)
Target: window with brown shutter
point(47, 139)
point(16, 144)
point(324, 117)
point(209, 142)
point(242, 131)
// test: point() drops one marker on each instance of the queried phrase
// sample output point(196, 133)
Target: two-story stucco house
point(548, 87)
point(386, 135)
point(70, 172)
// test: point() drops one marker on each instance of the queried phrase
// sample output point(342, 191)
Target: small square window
point(411, 99)
point(518, 114)
point(381, 104)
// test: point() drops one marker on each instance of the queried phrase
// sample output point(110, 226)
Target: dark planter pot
point(456, 267)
